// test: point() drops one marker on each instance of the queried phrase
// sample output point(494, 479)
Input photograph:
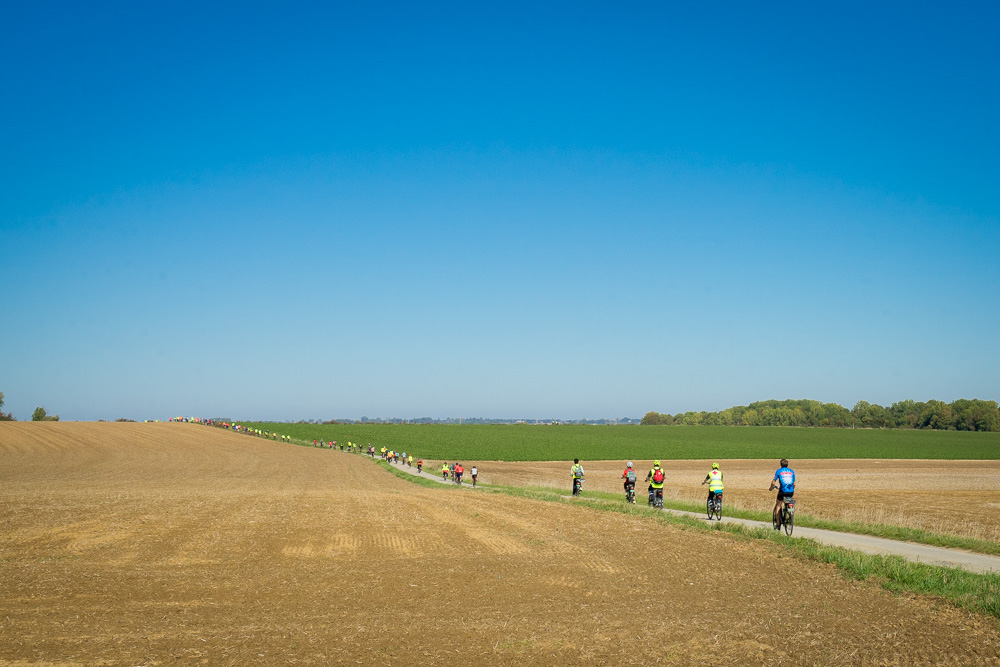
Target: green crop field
point(563, 443)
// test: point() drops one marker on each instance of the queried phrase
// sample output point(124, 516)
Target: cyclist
point(714, 481)
point(655, 477)
point(409, 460)
point(577, 472)
point(458, 473)
point(784, 480)
point(475, 474)
point(420, 465)
point(629, 476)
point(444, 471)
point(382, 451)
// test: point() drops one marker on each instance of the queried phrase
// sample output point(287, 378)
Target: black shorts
point(782, 495)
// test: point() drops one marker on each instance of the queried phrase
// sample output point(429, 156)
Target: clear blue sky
point(574, 209)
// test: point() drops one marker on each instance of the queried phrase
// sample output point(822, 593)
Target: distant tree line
point(5, 416)
point(961, 415)
point(40, 415)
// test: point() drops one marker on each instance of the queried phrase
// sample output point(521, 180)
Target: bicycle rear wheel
point(789, 521)
point(718, 510)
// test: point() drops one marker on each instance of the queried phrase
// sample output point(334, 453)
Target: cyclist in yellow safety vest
point(655, 477)
point(383, 452)
point(714, 481)
point(577, 472)
point(445, 470)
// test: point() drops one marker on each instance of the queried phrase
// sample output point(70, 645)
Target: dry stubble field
point(950, 497)
point(129, 544)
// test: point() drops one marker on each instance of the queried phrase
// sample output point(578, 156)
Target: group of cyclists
point(456, 470)
point(784, 481)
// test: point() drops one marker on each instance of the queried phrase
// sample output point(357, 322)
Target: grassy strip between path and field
point(899, 533)
point(969, 590)
point(410, 477)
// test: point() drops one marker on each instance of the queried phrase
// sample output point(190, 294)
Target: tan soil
point(951, 497)
point(128, 544)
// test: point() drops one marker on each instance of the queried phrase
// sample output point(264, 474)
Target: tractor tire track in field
point(125, 544)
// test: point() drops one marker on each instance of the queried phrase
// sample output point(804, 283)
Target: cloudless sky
point(566, 210)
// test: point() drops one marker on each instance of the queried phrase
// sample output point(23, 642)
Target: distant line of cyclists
point(783, 481)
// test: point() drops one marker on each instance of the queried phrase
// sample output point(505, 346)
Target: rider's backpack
point(658, 476)
point(631, 477)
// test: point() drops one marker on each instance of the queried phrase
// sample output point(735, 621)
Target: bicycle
point(658, 498)
point(577, 486)
point(714, 507)
point(630, 494)
point(786, 516)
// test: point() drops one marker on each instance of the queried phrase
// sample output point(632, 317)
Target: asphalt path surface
point(920, 553)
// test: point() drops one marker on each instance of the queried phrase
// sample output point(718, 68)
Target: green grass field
point(593, 443)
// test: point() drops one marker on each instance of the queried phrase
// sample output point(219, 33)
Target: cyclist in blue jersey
point(784, 481)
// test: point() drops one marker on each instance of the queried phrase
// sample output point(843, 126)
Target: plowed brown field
point(127, 544)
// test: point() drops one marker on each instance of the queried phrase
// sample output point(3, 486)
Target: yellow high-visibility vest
point(715, 481)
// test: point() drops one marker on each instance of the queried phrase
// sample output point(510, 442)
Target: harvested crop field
point(949, 497)
point(126, 544)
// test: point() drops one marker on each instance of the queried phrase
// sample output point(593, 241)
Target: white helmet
point(629, 464)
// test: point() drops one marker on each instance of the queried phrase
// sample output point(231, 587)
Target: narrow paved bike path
point(921, 553)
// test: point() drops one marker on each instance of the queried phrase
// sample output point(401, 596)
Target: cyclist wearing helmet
point(655, 477)
point(629, 476)
point(714, 481)
point(784, 479)
point(577, 472)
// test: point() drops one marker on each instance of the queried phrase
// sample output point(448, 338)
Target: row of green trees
point(5, 416)
point(962, 415)
point(39, 415)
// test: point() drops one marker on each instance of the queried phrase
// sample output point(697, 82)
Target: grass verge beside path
point(899, 533)
point(410, 477)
